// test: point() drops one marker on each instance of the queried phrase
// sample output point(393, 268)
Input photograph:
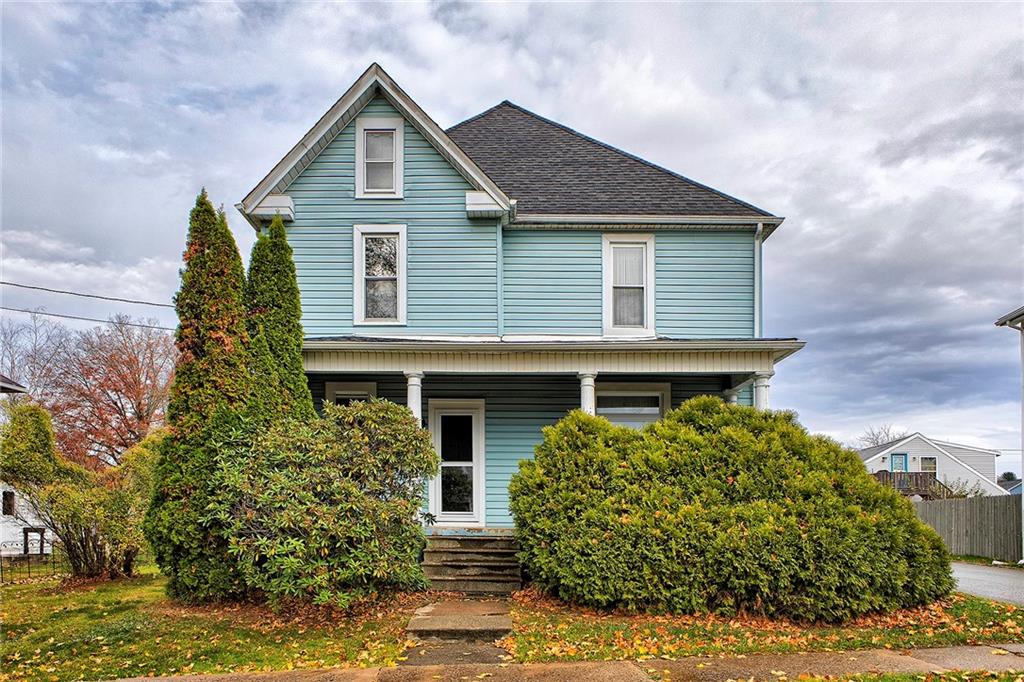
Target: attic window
point(379, 157)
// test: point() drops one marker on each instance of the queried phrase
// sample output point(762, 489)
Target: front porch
point(487, 402)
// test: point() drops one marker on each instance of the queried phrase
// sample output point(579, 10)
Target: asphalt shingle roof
point(550, 168)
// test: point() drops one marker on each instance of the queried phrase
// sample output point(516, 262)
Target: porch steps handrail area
point(474, 564)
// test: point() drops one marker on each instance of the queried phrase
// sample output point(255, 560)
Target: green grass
point(128, 628)
point(547, 630)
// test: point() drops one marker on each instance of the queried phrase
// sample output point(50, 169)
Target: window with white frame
point(379, 274)
point(633, 405)
point(628, 262)
point(379, 157)
point(929, 464)
point(345, 392)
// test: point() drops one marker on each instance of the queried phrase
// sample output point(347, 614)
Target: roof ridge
point(621, 152)
point(480, 115)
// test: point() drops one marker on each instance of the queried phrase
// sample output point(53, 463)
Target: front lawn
point(128, 628)
point(548, 630)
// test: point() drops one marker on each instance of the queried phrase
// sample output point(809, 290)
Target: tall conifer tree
point(211, 387)
point(272, 301)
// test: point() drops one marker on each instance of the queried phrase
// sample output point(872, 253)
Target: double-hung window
point(929, 464)
point(379, 157)
point(628, 262)
point(379, 274)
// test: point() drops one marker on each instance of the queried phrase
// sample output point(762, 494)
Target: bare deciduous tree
point(878, 435)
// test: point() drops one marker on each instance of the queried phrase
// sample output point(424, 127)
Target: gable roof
point(374, 81)
point(885, 448)
point(552, 169)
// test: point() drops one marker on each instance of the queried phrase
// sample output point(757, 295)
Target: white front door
point(457, 493)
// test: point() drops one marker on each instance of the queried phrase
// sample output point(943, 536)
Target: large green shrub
point(326, 510)
point(272, 303)
point(95, 516)
point(212, 384)
point(719, 508)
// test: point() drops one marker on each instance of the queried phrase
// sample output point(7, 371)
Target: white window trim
point(395, 124)
point(352, 389)
point(359, 270)
point(662, 390)
point(647, 240)
point(436, 407)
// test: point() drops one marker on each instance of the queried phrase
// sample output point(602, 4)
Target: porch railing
point(922, 483)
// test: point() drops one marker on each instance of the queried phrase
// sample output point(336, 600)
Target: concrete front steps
point(474, 564)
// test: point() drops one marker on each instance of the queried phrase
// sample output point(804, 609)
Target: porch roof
point(562, 355)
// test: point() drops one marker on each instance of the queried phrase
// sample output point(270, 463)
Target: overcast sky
point(890, 136)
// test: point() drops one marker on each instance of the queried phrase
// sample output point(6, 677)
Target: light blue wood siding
point(552, 282)
point(517, 408)
point(452, 260)
point(705, 284)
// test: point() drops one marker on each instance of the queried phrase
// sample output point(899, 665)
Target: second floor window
point(379, 274)
point(379, 157)
point(628, 284)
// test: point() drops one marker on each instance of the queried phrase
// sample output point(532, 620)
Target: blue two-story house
point(495, 275)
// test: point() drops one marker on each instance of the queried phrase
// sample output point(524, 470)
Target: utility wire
point(76, 293)
point(87, 319)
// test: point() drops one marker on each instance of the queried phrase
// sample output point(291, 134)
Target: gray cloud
point(889, 135)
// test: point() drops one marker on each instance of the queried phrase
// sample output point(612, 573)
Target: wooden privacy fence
point(980, 526)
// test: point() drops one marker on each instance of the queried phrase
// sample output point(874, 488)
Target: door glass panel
point(456, 438)
point(456, 488)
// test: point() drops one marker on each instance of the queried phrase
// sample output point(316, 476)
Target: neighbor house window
point(8, 503)
point(633, 405)
point(379, 274)
point(929, 464)
point(379, 157)
point(628, 284)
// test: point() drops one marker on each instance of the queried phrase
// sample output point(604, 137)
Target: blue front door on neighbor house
point(898, 462)
point(498, 274)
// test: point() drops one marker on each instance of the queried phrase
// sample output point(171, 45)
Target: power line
point(87, 319)
point(76, 293)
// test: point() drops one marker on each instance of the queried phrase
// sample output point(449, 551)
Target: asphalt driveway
point(991, 582)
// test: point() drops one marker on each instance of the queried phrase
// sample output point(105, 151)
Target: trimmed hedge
point(719, 508)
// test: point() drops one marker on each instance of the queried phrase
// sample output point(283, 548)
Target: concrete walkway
point(770, 667)
point(1003, 583)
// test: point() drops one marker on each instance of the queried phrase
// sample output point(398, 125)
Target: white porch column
point(588, 396)
point(761, 382)
point(732, 396)
point(414, 394)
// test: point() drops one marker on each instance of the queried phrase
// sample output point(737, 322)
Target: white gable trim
point(891, 447)
point(354, 99)
point(938, 447)
point(967, 447)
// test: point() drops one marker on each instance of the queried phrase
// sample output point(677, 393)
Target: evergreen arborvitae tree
point(272, 301)
point(210, 390)
point(267, 400)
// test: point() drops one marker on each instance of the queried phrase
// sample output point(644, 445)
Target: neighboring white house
point(21, 532)
point(960, 466)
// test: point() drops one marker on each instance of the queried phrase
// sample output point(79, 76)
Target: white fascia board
point(526, 221)
point(374, 77)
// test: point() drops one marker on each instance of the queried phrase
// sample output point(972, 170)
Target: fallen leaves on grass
point(547, 629)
